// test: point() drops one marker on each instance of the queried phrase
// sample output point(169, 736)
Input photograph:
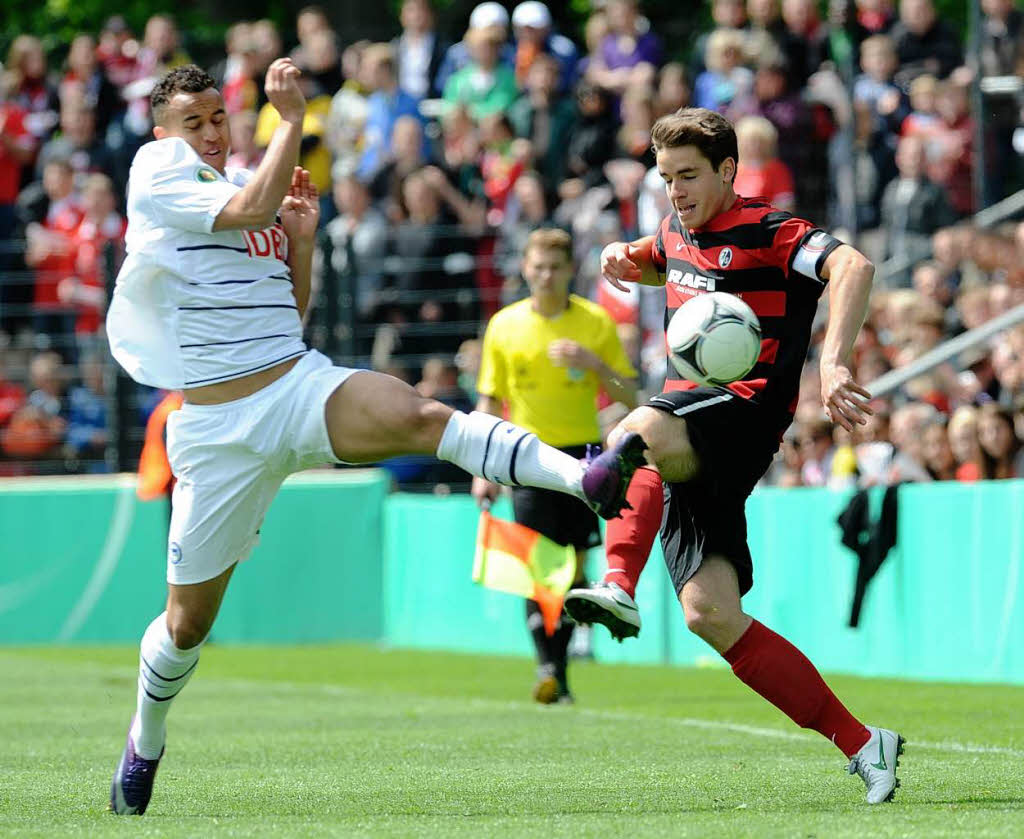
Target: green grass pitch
point(356, 741)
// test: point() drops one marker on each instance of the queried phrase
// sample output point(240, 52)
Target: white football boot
point(606, 604)
point(876, 763)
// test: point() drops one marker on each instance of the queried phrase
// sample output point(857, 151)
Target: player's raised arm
point(630, 262)
point(850, 275)
point(256, 204)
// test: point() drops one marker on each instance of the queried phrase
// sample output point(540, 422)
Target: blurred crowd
point(437, 153)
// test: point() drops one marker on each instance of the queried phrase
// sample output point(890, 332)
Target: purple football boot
point(132, 786)
point(606, 477)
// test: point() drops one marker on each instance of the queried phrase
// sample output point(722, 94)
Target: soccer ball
point(714, 339)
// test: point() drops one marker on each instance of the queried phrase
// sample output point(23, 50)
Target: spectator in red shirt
point(118, 51)
point(759, 171)
point(12, 395)
point(876, 16)
point(950, 147)
point(28, 86)
point(85, 289)
point(37, 427)
point(50, 252)
point(963, 441)
point(17, 148)
point(238, 71)
point(503, 161)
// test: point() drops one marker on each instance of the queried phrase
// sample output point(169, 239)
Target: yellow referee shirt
point(558, 404)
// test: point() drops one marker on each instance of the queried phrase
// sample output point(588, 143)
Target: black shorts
point(560, 517)
point(734, 441)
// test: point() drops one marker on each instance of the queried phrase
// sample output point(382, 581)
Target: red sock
point(777, 670)
point(628, 540)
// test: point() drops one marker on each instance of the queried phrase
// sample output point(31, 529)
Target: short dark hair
point(712, 134)
point(185, 79)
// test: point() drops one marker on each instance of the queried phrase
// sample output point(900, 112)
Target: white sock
point(491, 448)
point(163, 671)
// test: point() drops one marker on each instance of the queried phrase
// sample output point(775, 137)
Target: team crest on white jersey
point(724, 257)
point(205, 175)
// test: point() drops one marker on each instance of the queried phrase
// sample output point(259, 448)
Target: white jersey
point(192, 307)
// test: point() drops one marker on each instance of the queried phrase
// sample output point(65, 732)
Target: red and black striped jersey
point(770, 259)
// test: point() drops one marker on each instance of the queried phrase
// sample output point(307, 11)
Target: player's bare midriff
point(238, 388)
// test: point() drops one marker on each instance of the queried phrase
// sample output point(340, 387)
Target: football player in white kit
point(209, 301)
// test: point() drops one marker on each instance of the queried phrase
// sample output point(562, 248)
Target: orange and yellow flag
point(517, 560)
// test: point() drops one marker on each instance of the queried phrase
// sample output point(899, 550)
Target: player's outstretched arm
point(256, 204)
point(630, 262)
point(849, 274)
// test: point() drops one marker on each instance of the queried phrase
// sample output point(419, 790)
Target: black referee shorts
point(561, 518)
point(734, 441)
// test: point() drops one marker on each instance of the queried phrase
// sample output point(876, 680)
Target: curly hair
point(186, 79)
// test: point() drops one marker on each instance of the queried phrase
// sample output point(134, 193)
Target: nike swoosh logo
point(881, 756)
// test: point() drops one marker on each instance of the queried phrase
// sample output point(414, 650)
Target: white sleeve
point(183, 192)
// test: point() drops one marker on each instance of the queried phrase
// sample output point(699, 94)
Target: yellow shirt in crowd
point(558, 404)
point(314, 124)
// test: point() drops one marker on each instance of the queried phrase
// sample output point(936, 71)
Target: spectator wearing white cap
point(531, 24)
point(489, 16)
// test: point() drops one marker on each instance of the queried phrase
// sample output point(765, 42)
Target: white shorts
point(230, 460)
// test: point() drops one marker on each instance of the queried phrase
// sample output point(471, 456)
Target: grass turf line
point(362, 741)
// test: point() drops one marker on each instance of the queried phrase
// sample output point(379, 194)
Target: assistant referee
point(545, 359)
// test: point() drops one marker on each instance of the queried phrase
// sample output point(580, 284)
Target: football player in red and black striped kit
point(708, 446)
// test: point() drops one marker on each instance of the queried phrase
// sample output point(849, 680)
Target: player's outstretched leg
point(607, 476)
point(371, 417)
point(163, 671)
point(507, 454)
point(770, 665)
point(877, 762)
point(628, 542)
